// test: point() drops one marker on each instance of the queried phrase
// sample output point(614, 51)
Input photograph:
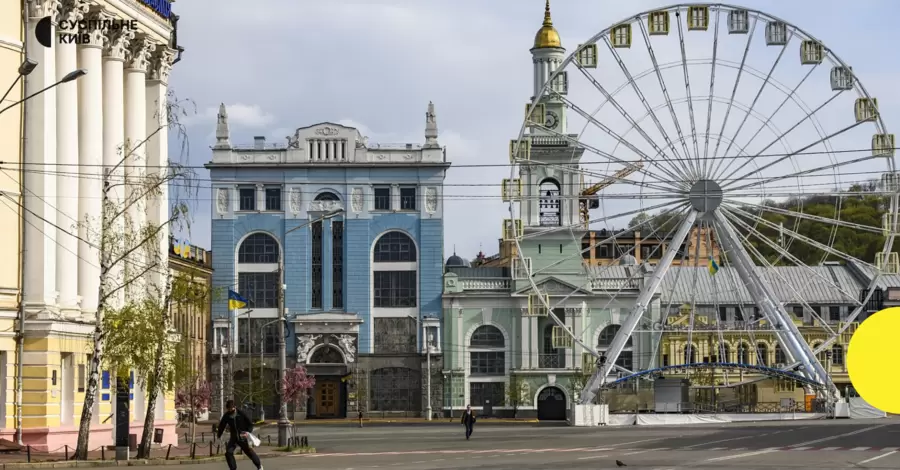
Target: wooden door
point(327, 399)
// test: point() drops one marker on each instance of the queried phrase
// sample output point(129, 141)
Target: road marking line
point(838, 436)
point(592, 457)
point(646, 450)
point(716, 448)
point(801, 448)
point(878, 457)
point(857, 449)
point(890, 448)
point(748, 454)
point(722, 440)
point(830, 448)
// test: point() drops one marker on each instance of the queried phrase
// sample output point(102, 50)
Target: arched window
point(258, 248)
point(394, 247)
point(605, 340)
point(258, 284)
point(488, 351)
point(780, 358)
point(690, 354)
point(762, 354)
point(550, 208)
point(743, 354)
point(326, 196)
point(395, 272)
point(326, 355)
point(722, 353)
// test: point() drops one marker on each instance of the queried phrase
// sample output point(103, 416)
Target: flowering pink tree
point(296, 385)
point(194, 395)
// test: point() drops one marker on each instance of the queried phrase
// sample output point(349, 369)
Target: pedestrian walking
point(239, 426)
point(468, 420)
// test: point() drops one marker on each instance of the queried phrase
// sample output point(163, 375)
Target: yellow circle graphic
point(872, 358)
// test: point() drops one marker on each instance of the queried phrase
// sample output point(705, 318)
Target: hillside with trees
point(858, 205)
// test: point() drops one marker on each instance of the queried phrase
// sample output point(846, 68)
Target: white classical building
point(74, 134)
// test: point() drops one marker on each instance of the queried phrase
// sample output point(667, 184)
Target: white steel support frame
point(641, 305)
point(788, 333)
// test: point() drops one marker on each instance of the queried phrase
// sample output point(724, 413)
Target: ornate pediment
point(326, 130)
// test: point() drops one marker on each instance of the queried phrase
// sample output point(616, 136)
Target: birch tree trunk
point(155, 380)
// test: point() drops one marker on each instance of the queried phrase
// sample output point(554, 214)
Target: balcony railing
point(550, 361)
point(615, 284)
point(484, 284)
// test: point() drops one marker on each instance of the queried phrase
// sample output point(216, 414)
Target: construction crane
point(589, 200)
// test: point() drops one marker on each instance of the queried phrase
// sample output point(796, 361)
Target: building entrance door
point(327, 399)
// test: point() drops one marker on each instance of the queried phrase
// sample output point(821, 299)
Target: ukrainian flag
point(713, 266)
point(235, 300)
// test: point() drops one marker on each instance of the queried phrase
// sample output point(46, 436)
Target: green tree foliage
point(516, 394)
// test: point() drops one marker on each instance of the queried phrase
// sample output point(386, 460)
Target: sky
point(375, 64)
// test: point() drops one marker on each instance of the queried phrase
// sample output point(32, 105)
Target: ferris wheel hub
point(705, 196)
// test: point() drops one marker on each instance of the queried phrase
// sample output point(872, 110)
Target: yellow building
point(191, 317)
point(11, 124)
point(126, 49)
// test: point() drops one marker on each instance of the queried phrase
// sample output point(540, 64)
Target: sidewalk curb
point(320, 422)
point(142, 463)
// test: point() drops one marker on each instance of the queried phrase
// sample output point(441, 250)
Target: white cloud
point(239, 115)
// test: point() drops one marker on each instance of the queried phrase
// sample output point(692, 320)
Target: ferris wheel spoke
point(712, 87)
point(761, 181)
point(643, 301)
point(785, 254)
point(694, 289)
point(759, 93)
point(666, 97)
point(784, 134)
point(687, 87)
point(737, 82)
point(798, 236)
point(640, 94)
point(644, 157)
point(765, 125)
point(664, 316)
point(804, 216)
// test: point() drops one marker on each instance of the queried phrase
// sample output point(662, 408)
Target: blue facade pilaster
point(327, 265)
point(223, 262)
point(431, 269)
point(358, 278)
point(296, 267)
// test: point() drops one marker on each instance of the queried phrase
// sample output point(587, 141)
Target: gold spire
point(547, 35)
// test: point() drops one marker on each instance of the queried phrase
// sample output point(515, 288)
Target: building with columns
point(358, 228)
point(74, 134)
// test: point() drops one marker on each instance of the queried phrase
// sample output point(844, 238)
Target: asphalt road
point(820, 445)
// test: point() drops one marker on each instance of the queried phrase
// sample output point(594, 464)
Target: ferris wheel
point(738, 143)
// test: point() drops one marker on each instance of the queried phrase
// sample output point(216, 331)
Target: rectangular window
point(648, 252)
point(487, 392)
point(625, 250)
point(81, 377)
point(221, 338)
point(394, 335)
point(247, 197)
point(273, 198)
point(395, 289)
point(261, 336)
point(316, 266)
point(602, 251)
point(337, 264)
point(487, 363)
point(382, 198)
point(586, 247)
point(834, 313)
point(407, 199)
point(723, 313)
point(261, 289)
point(798, 311)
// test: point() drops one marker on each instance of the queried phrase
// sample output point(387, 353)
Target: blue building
point(359, 230)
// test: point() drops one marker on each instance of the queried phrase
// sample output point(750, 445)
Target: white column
point(578, 331)
point(113, 142)
point(137, 60)
point(157, 146)
point(67, 158)
point(332, 146)
point(340, 154)
point(523, 342)
point(535, 346)
point(313, 150)
point(39, 195)
point(570, 324)
point(90, 157)
point(323, 153)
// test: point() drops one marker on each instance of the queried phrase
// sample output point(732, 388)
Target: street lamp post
point(429, 339)
point(284, 424)
point(27, 67)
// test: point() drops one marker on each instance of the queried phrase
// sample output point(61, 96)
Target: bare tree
point(131, 251)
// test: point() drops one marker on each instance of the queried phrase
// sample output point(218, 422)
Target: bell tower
point(546, 56)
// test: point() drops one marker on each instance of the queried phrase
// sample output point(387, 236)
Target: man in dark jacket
point(468, 420)
point(239, 426)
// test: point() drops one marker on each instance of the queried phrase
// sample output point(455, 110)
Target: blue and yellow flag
point(235, 300)
point(713, 266)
